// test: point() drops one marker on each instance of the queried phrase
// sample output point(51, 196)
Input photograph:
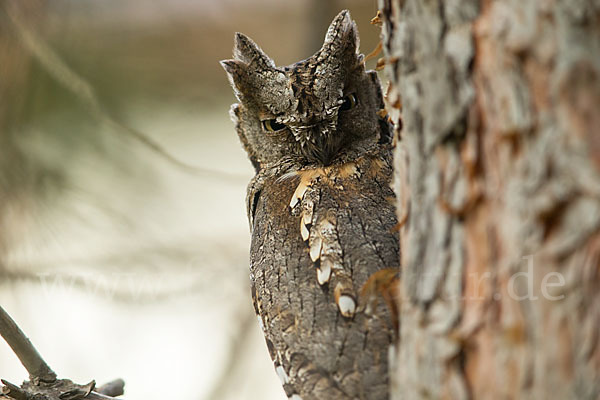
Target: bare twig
point(22, 347)
point(43, 380)
point(98, 396)
point(153, 292)
point(113, 388)
point(13, 391)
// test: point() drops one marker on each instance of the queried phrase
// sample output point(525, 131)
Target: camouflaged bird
point(321, 213)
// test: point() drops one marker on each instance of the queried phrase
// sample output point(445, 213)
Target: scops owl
point(321, 213)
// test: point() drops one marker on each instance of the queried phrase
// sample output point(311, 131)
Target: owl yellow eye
point(349, 102)
point(271, 125)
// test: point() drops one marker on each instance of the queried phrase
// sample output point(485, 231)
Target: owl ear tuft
point(238, 76)
point(341, 40)
point(248, 52)
point(231, 66)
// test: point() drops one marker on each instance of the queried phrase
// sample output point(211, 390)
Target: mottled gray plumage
point(321, 213)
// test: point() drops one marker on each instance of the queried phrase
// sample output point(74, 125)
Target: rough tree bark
point(497, 175)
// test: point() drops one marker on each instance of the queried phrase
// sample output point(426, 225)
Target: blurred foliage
point(143, 60)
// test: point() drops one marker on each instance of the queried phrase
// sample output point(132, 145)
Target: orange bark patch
point(579, 99)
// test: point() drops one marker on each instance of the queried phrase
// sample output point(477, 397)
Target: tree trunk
point(497, 176)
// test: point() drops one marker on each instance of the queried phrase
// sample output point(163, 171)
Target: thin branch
point(99, 396)
point(22, 347)
point(13, 391)
point(43, 379)
point(112, 389)
point(190, 275)
point(117, 292)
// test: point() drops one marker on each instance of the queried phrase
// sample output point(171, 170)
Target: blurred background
point(123, 233)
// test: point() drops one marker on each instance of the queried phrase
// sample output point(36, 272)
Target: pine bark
point(497, 179)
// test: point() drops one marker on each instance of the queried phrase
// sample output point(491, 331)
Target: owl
point(321, 213)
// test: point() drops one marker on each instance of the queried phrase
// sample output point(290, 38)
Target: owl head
point(316, 112)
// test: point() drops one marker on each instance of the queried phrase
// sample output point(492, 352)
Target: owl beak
point(329, 152)
point(319, 145)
